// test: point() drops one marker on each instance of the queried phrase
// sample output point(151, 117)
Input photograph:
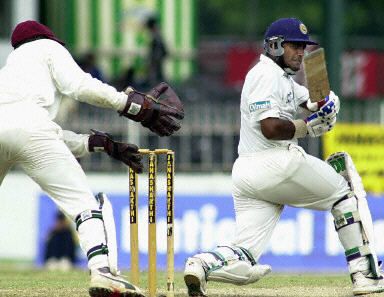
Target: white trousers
point(28, 138)
point(266, 181)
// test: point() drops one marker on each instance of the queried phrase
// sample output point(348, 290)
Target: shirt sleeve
point(301, 93)
point(72, 81)
point(262, 99)
point(77, 143)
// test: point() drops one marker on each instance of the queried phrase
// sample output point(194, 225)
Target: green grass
point(22, 281)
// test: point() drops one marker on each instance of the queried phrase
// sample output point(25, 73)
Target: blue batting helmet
point(285, 30)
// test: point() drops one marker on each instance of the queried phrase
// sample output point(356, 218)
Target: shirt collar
point(269, 61)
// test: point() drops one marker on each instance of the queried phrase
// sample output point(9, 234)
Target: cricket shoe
point(195, 278)
point(105, 284)
point(365, 284)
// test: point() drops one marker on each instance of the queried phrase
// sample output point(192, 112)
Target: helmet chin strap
point(289, 71)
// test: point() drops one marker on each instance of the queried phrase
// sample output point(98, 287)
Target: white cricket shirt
point(43, 71)
point(268, 92)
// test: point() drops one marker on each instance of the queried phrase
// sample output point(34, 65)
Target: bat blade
point(316, 75)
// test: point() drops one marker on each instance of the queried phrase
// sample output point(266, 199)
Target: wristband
point(300, 128)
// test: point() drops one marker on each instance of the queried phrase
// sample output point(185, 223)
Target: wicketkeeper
point(272, 171)
point(38, 73)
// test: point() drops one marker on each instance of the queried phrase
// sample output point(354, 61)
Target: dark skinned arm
point(277, 129)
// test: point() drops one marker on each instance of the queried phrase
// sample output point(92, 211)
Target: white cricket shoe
point(364, 284)
point(105, 284)
point(195, 278)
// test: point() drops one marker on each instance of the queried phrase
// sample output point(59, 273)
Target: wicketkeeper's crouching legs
point(353, 223)
point(42, 154)
point(228, 264)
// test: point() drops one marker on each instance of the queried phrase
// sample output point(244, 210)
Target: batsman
point(272, 171)
point(37, 75)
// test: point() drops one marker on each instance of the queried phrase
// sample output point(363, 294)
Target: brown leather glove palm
point(124, 152)
point(158, 110)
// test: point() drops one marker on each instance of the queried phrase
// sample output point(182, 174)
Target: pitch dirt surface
point(37, 282)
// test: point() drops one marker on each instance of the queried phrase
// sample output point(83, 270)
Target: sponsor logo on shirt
point(259, 105)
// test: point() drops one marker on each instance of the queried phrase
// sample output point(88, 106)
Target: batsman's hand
point(330, 106)
point(327, 107)
point(318, 125)
point(324, 119)
point(159, 110)
point(124, 152)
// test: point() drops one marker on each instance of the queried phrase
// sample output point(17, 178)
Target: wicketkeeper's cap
point(31, 30)
point(290, 29)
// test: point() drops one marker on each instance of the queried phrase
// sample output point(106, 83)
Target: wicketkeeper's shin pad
point(109, 230)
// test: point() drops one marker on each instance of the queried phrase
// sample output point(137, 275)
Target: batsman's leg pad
point(368, 232)
point(239, 273)
point(343, 164)
point(232, 264)
point(351, 230)
point(348, 222)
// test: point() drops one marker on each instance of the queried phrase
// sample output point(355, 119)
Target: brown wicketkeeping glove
point(159, 110)
point(124, 152)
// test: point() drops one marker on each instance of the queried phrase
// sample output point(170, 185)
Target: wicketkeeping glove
point(158, 110)
point(124, 152)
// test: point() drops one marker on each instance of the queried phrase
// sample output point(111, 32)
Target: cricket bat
point(316, 75)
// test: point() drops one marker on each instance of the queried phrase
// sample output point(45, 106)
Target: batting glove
point(329, 105)
point(318, 125)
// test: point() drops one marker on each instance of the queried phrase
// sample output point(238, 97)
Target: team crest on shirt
point(289, 97)
point(259, 105)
